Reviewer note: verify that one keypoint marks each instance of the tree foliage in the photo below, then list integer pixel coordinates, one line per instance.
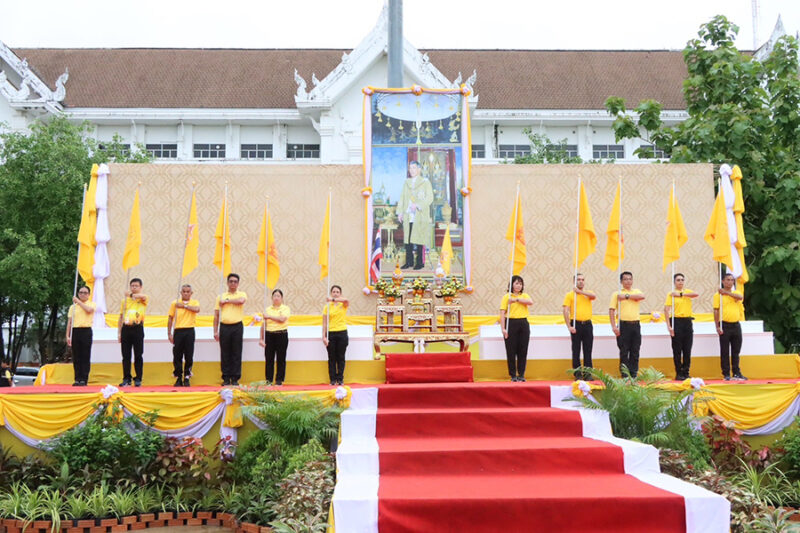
(544, 150)
(42, 173)
(746, 112)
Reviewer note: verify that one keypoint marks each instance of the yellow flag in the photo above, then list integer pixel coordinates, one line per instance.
(717, 232)
(676, 235)
(87, 230)
(738, 209)
(615, 243)
(191, 255)
(268, 253)
(446, 254)
(518, 252)
(130, 257)
(324, 242)
(223, 228)
(587, 239)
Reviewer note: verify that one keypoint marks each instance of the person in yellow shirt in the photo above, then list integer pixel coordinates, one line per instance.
(334, 333)
(130, 332)
(577, 309)
(275, 338)
(79, 335)
(678, 305)
(229, 330)
(517, 333)
(624, 306)
(182, 314)
(728, 327)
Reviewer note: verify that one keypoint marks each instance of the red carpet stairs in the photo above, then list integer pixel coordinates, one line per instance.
(428, 367)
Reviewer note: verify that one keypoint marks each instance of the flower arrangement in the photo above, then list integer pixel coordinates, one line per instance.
(448, 290)
(457, 283)
(382, 285)
(418, 284)
(392, 291)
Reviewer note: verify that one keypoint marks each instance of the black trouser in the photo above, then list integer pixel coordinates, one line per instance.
(583, 336)
(132, 338)
(276, 344)
(182, 350)
(337, 346)
(629, 342)
(730, 342)
(230, 351)
(519, 334)
(82, 353)
(682, 345)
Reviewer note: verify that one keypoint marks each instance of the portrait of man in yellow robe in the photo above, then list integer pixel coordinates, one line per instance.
(414, 211)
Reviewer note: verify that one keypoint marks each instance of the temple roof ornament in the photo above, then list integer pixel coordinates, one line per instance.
(31, 91)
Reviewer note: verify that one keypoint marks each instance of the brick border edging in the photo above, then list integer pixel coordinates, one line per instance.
(136, 522)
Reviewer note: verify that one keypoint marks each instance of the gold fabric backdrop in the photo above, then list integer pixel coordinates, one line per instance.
(297, 196)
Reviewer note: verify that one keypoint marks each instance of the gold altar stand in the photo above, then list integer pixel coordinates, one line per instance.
(421, 321)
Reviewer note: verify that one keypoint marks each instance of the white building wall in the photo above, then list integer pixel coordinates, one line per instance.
(256, 135)
(161, 134)
(209, 134)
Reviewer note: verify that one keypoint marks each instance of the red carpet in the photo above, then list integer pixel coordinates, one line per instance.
(428, 367)
(495, 457)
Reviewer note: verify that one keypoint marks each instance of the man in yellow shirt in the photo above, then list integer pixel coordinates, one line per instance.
(79, 335)
(577, 309)
(678, 306)
(130, 332)
(228, 330)
(625, 306)
(182, 314)
(728, 327)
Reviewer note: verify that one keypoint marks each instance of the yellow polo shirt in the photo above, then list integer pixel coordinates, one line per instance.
(134, 311)
(584, 306)
(185, 318)
(336, 312)
(283, 310)
(80, 318)
(683, 304)
(732, 310)
(518, 310)
(628, 309)
(230, 314)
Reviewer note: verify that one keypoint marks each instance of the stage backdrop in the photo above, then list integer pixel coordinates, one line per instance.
(297, 202)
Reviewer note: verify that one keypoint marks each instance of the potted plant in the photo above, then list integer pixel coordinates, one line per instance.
(381, 286)
(391, 293)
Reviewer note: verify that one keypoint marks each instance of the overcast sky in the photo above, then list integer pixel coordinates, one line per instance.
(522, 24)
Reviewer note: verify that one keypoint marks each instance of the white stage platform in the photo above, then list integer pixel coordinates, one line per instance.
(305, 344)
(553, 342)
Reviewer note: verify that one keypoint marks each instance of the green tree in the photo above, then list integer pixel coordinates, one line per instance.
(41, 181)
(746, 112)
(544, 150)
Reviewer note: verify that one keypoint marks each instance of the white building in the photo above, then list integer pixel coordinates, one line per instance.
(282, 105)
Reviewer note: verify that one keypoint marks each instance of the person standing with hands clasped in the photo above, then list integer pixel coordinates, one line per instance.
(518, 333)
(628, 331)
(682, 333)
(130, 332)
(577, 309)
(228, 330)
(334, 333)
(275, 338)
(79, 335)
(728, 327)
(182, 313)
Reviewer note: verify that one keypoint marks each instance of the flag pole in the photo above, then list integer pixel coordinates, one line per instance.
(619, 251)
(674, 201)
(224, 232)
(330, 264)
(186, 236)
(577, 238)
(266, 252)
(513, 247)
(75, 285)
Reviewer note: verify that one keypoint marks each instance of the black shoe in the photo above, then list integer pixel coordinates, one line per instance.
(178, 383)
(726, 378)
(334, 382)
(125, 383)
(739, 377)
(418, 267)
(235, 382)
(341, 382)
(137, 382)
(278, 383)
(514, 379)
(186, 382)
(76, 384)
(521, 379)
(82, 383)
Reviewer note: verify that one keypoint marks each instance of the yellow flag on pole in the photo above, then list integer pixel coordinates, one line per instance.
(676, 235)
(222, 236)
(738, 209)
(717, 232)
(446, 254)
(130, 257)
(324, 242)
(587, 239)
(86, 232)
(518, 253)
(268, 253)
(191, 255)
(615, 243)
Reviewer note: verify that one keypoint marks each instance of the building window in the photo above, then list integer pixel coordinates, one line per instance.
(256, 151)
(649, 151)
(478, 151)
(571, 150)
(302, 151)
(608, 151)
(163, 151)
(510, 151)
(209, 151)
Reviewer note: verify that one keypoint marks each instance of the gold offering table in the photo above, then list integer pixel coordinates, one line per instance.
(419, 339)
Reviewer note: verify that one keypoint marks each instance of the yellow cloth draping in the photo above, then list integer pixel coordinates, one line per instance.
(43, 416)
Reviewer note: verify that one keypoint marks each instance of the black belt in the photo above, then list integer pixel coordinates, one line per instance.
(583, 321)
(628, 321)
(684, 318)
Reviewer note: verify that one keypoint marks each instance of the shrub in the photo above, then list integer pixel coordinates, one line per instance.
(790, 444)
(729, 451)
(187, 462)
(310, 452)
(306, 493)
